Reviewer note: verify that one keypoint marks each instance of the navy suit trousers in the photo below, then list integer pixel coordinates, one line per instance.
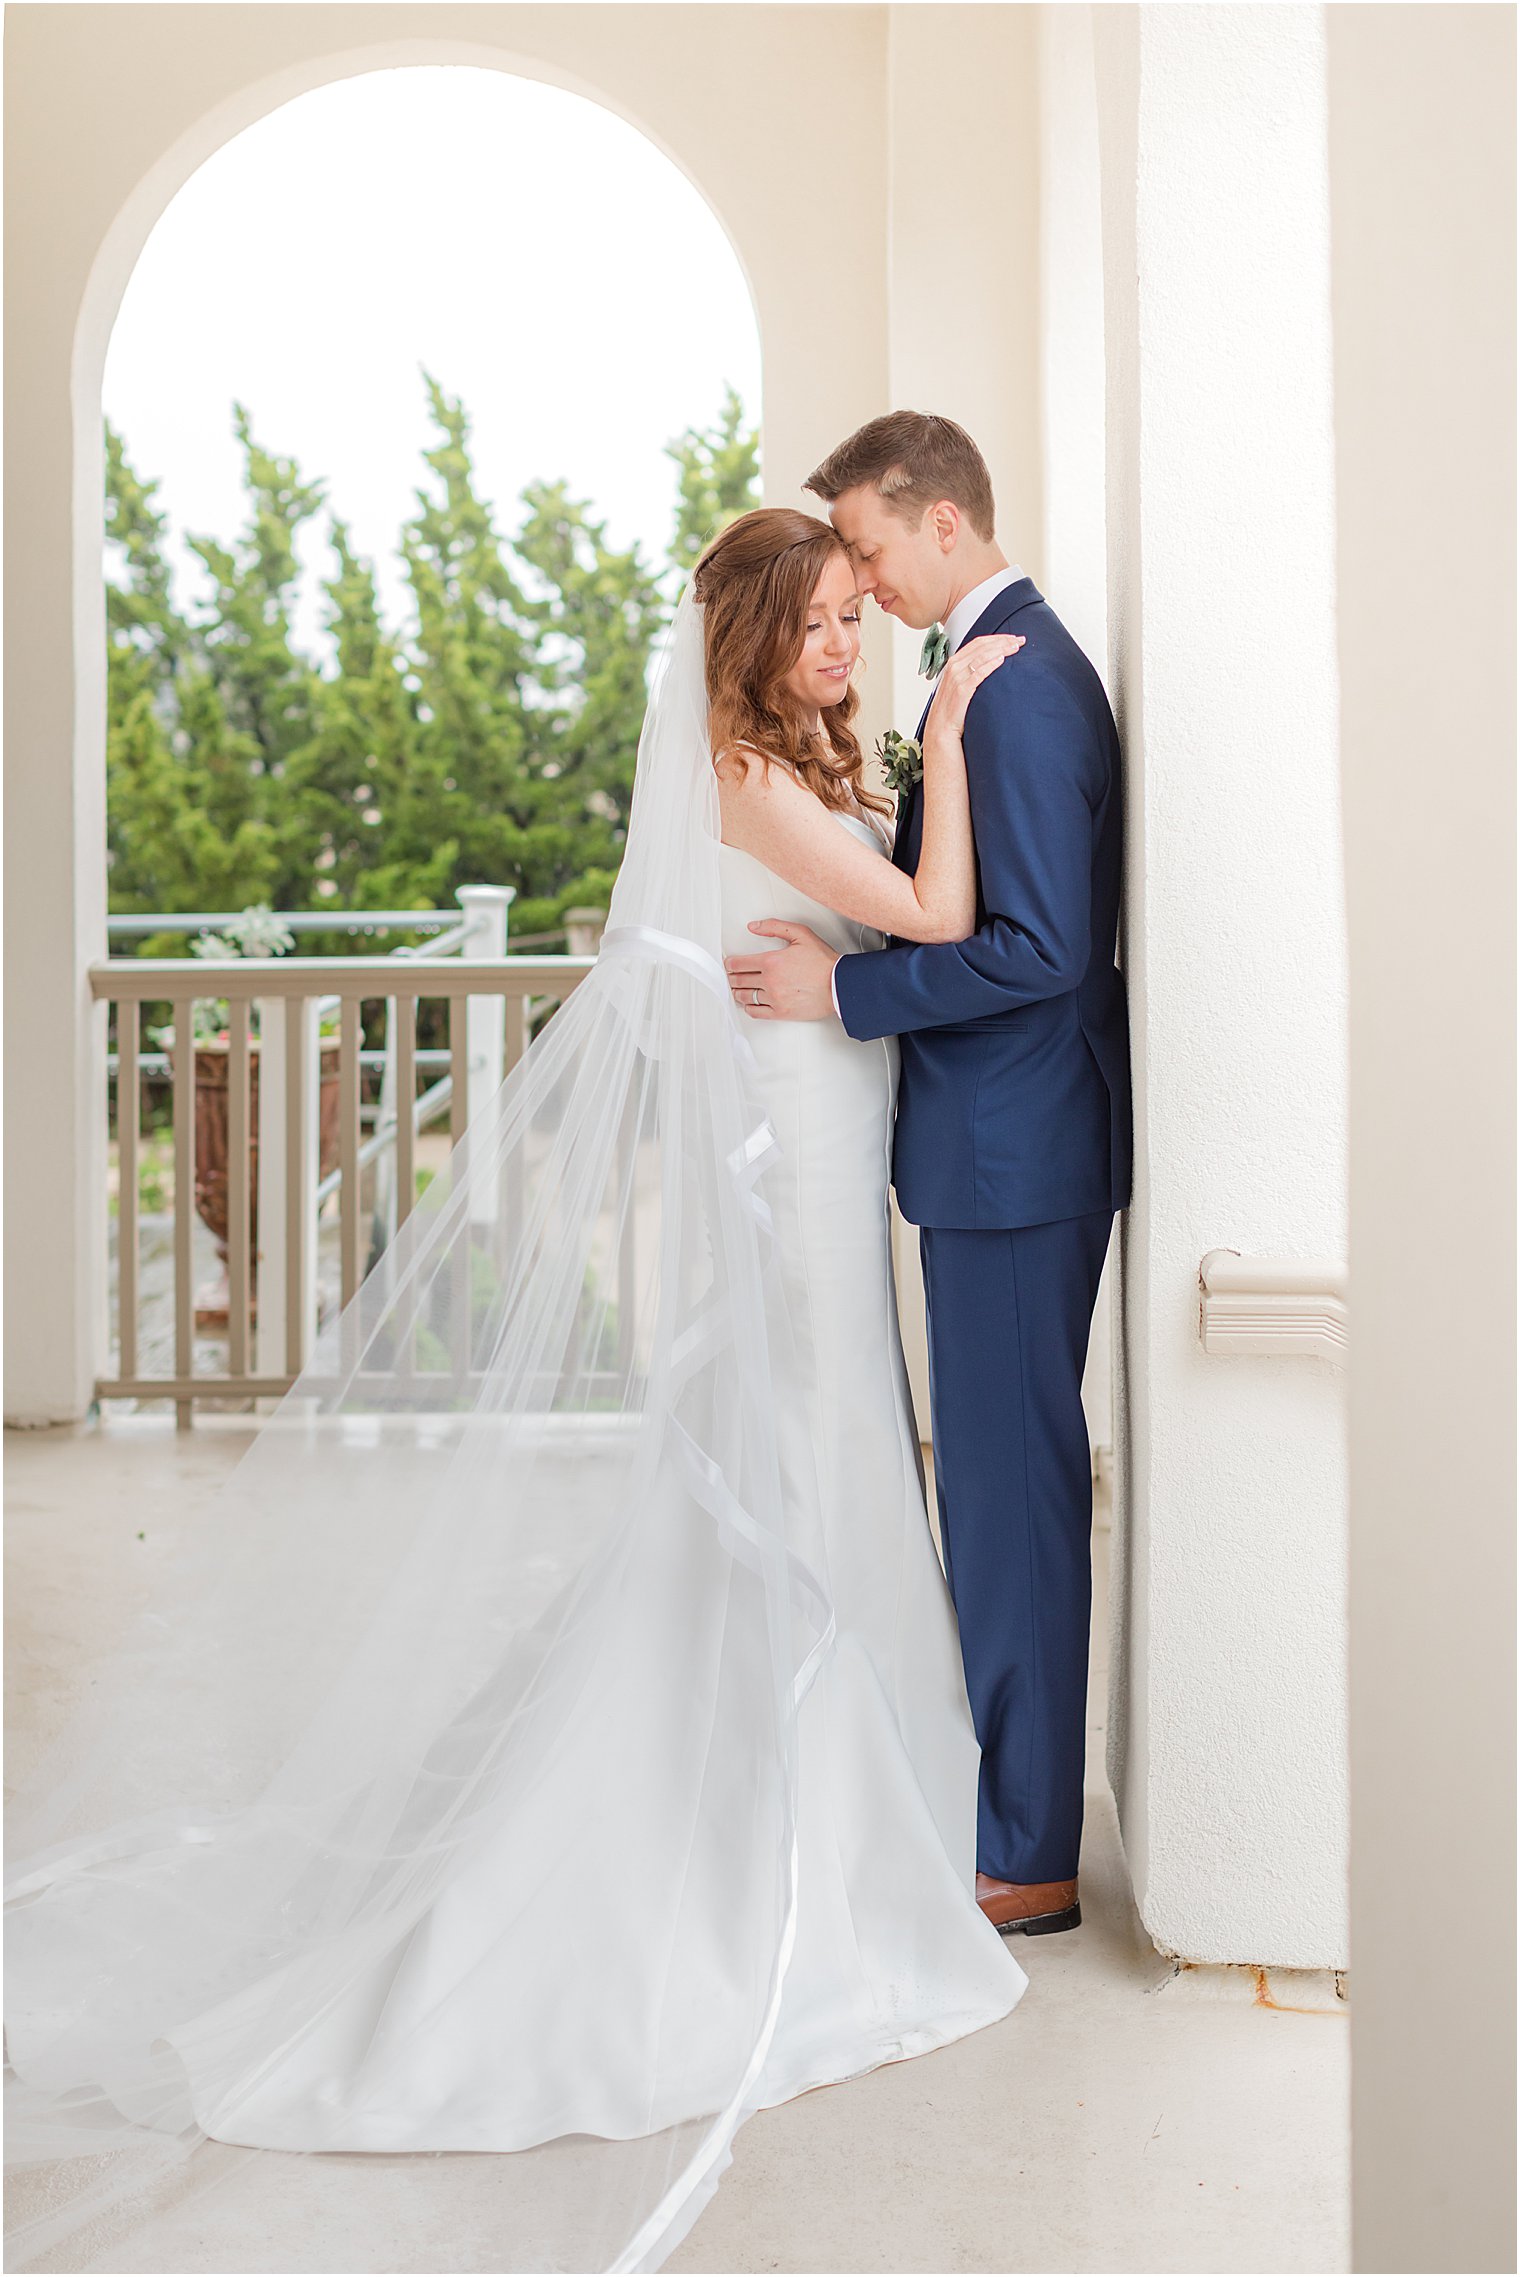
(1010, 1313)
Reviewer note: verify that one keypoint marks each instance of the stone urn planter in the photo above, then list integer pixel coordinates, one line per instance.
(212, 1062)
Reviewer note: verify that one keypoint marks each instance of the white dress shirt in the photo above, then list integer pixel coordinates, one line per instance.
(957, 625)
(966, 611)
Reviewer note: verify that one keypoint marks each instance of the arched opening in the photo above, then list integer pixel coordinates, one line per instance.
(687, 312)
(385, 650)
(110, 138)
(533, 250)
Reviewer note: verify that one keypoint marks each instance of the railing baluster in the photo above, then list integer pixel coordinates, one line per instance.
(509, 1177)
(406, 1108)
(269, 1200)
(517, 1032)
(348, 1145)
(184, 1200)
(239, 1149)
(459, 1066)
(128, 1174)
(297, 1188)
(405, 1028)
(462, 1248)
(627, 1267)
(273, 1110)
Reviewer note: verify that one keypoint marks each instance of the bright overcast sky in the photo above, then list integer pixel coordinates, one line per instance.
(534, 253)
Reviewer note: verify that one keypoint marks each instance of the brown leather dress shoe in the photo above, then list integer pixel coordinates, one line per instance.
(1036, 1908)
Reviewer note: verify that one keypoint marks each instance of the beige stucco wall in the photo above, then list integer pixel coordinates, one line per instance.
(1422, 178)
(933, 288)
(783, 120)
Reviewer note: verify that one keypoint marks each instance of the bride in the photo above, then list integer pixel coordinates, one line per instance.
(552, 1740)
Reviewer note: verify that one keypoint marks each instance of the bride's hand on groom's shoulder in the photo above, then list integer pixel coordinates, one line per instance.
(973, 662)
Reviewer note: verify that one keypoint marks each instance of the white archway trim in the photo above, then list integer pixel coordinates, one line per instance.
(259, 98)
(1273, 1307)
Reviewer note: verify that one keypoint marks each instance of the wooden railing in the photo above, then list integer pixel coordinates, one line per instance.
(286, 991)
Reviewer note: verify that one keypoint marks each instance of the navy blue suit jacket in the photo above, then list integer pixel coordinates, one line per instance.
(1014, 1101)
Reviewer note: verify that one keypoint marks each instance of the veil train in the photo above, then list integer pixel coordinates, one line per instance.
(505, 1585)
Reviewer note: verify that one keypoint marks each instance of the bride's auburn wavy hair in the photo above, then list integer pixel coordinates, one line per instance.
(755, 583)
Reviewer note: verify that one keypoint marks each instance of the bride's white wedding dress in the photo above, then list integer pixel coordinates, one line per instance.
(893, 1954)
(527, 2025)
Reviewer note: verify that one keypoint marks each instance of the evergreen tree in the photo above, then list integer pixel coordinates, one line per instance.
(186, 828)
(718, 480)
(345, 787)
(266, 685)
(470, 648)
(596, 614)
(144, 627)
(184, 818)
(493, 738)
(469, 663)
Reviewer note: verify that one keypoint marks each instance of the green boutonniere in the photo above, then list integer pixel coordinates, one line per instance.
(902, 760)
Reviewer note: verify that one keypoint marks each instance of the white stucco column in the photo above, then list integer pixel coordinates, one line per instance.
(1422, 176)
(1227, 1734)
(55, 839)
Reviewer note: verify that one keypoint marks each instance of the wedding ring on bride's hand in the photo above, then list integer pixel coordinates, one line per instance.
(754, 996)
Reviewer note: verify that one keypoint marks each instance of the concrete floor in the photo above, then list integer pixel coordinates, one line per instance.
(1130, 2115)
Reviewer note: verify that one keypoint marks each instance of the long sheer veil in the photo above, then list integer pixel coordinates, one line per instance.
(506, 1585)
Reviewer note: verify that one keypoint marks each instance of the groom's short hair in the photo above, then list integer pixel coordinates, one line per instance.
(911, 459)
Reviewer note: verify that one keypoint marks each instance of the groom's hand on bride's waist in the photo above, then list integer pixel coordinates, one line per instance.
(789, 982)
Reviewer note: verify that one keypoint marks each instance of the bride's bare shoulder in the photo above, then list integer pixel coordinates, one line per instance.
(744, 767)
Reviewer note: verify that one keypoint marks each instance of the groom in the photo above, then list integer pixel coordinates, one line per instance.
(1012, 1146)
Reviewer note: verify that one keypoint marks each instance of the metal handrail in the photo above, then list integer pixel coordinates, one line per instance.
(297, 920)
(434, 1101)
(441, 946)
